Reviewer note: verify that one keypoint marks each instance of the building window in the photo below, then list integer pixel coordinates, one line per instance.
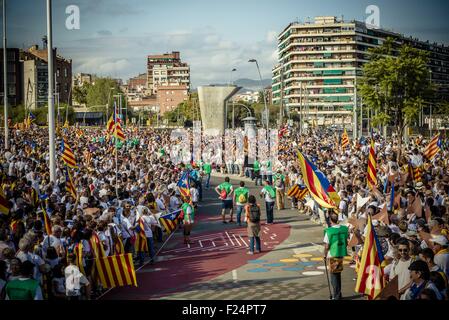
(65, 72)
(58, 72)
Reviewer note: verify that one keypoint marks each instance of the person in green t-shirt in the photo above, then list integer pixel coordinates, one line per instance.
(225, 190)
(25, 287)
(241, 200)
(336, 242)
(257, 177)
(188, 220)
(207, 169)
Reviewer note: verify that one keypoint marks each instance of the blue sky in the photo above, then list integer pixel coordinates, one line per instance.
(213, 36)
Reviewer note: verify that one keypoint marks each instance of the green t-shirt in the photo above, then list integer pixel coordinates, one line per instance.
(22, 289)
(207, 168)
(256, 166)
(241, 191)
(338, 241)
(228, 187)
(184, 207)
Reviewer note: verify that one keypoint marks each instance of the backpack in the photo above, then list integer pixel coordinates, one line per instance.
(254, 213)
(223, 194)
(271, 192)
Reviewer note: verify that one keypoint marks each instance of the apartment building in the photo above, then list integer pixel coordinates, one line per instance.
(321, 61)
(80, 78)
(166, 69)
(35, 77)
(14, 76)
(169, 96)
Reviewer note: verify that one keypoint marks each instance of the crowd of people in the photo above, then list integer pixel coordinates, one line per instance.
(111, 202)
(40, 259)
(411, 222)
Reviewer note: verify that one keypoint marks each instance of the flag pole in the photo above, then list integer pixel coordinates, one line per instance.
(5, 78)
(327, 277)
(116, 151)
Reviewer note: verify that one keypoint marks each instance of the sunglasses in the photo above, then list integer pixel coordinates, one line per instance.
(403, 250)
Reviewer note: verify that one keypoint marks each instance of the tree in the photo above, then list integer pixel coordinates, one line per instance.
(101, 93)
(395, 83)
(80, 93)
(185, 111)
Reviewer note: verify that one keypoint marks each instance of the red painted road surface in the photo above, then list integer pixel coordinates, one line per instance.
(212, 254)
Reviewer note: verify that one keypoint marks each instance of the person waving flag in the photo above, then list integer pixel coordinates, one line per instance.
(67, 154)
(433, 148)
(319, 186)
(372, 167)
(344, 140)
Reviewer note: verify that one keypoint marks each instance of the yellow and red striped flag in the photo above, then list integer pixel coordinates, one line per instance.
(298, 192)
(119, 248)
(344, 139)
(433, 148)
(79, 132)
(79, 257)
(67, 154)
(318, 185)
(141, 239)
(47, 222)
(69, 186)
(4, 204)
(116, 271)
(372, 167)
(370, 275)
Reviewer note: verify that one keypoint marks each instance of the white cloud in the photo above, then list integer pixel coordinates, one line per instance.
(272, 37)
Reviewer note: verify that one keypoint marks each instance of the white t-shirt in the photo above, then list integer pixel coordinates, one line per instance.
(148, 220)
(195, 194)
(265, 193)
(50, 241)
(401, 270)
(74, 279)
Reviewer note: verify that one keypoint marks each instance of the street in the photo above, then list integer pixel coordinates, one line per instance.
(216, 267)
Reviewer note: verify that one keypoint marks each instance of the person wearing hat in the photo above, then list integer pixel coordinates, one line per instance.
(440, 248)
(420, 276)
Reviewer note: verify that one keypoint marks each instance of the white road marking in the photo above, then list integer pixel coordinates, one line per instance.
(201, 244)
(229, 238)
(236, 240)
(243, 241)
(213, 243)
(234, 275)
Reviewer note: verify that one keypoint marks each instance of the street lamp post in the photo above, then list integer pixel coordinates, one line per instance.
(51, 109)
(5, 78)
(263, 94)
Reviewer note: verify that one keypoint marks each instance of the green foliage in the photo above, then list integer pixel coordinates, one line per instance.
(185, 111)
(396, 82)
(101, 94)
(80, 93)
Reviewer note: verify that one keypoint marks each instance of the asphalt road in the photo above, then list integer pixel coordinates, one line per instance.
(216, 265)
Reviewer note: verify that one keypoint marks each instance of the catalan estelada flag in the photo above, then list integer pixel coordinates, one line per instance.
(4, 204)
(433, 148)
(119, 248)
(97, 246)
(370, 275)
(67, 154)
(141, 239)
(372, 167)
(317, 183)
(344, 139)
(47, 222)
(169, 221)
(297, 192)
(116, 271)
(69, 186)
(184, 186)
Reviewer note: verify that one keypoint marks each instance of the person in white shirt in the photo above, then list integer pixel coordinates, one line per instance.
(401, 266)
(74, 280)
(148, 221)
(194, 193)
(53, 240)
